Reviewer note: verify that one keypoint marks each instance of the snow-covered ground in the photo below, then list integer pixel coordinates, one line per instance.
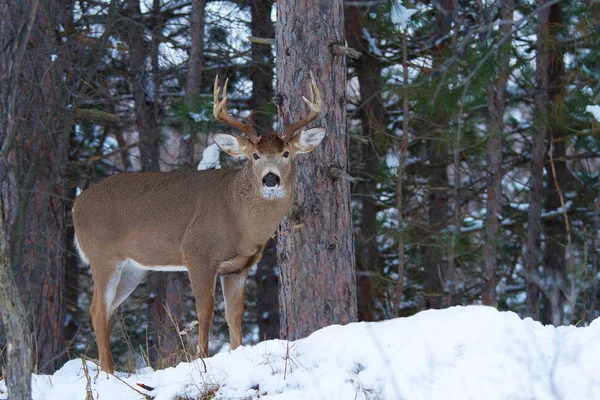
(459, 353)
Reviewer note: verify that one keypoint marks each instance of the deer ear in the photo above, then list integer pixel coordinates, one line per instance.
(231, 143)
(307, 140)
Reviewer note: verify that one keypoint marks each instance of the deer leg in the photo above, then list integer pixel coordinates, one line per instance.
(203, 288)
(105, 288)
(234, 289)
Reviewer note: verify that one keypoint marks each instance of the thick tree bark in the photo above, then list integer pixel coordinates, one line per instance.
(145, 88)
(195, 68)
(434, 259)
(315, 246)
(195, 64)
(16, 22)
(38, 163)
(496, 95)
(368, 69)
(18, 335)
(534, 224)
(71, 263)
(142, 87)
(261, 102)
(554, 259)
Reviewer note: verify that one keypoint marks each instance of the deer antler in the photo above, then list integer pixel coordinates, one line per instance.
(315, 104)
(221, 114)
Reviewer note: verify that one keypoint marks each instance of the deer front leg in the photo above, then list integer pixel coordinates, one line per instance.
(234, 289)
(203, 288)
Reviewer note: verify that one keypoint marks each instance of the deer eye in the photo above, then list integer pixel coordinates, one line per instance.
(286, 154)
(255, 156)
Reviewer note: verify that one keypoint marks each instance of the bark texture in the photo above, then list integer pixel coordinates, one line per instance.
(315, 244)
(496, 95)
(195, 69)
(373, 122)
(434, 258)
(534, 214)
(554, 258)
(16, 23)
(262, 74)
(38, 172)
(145, 82)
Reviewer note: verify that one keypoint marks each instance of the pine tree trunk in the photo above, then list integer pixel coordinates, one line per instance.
(16, 22)
(496, 94)
(261, 74)
(315, 244)
(368, 69)
(145, 94)
(18, 336)
(554, 259)
(195, 69)
(534, 213)
(434, 258)
(38, 165)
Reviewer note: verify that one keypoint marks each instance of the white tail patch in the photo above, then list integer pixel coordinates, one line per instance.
(81, 253)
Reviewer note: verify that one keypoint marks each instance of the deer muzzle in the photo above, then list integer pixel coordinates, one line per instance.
(271, 180)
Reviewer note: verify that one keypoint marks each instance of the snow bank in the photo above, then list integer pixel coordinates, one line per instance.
(459, 353)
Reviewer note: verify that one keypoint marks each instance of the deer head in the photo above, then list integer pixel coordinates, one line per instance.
(271, 155)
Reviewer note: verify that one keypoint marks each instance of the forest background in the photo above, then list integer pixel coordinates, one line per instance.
(472, 160)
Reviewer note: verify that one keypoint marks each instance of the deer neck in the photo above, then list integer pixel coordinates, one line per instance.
(263, 214)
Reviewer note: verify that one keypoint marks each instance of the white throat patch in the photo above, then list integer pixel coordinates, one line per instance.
(272, 192)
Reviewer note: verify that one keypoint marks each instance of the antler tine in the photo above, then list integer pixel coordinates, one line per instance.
(316, 107)
(221, 114)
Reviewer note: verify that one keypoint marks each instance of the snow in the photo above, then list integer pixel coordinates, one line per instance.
(595, 110)
(210, 158)
(202, 116)
(473, 352)
(373, 48)
(401, 15)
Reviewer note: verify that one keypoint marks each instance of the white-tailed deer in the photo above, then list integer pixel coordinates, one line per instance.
(208, 223)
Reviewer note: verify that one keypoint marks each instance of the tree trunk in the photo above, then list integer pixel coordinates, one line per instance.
(18, 336)
(555, 274)
(534, 213)
(142, 87)
(496, 95)
(38, 165)
(16, 22)
(435, 260)
(315, 246)
(261, 74)
(71, 263)
(373, 121)
(145, 93)
(195, 68)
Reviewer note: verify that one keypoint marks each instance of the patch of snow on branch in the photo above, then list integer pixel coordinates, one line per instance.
(401, 15)
(373, 48)
(594, 110)
(199, 117)
(210, 158)
(458, 353)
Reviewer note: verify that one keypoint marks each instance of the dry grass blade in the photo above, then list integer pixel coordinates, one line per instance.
(146, 396)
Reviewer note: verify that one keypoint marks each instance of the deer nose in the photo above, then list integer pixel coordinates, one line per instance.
(270, 180)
